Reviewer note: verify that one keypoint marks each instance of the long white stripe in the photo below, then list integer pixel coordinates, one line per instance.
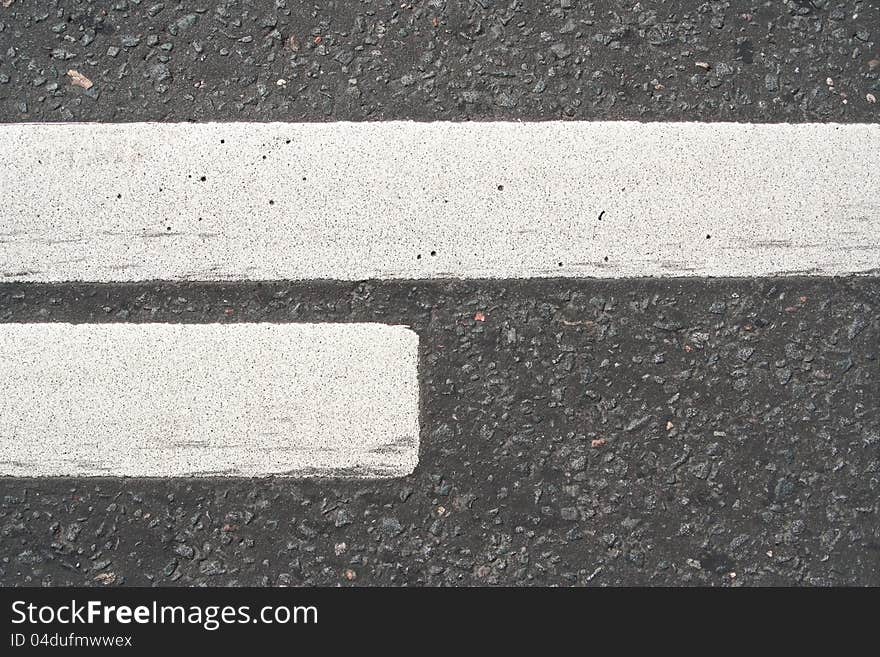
(153, 400)
(125, 202)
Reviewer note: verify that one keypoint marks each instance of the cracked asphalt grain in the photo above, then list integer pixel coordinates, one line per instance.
(720, 432)
(792, 61)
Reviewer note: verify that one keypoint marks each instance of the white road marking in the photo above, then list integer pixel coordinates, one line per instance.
(166, 400)
(350, 201)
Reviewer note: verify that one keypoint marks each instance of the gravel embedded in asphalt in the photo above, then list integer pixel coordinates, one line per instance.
(790, 61)
(574, 432)
(594, 432)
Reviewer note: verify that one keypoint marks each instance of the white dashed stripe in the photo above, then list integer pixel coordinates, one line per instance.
(349, 201)
(165, 400)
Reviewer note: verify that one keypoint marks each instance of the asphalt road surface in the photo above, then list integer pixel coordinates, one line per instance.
(793, 60)
(573, 432)
(737, 423)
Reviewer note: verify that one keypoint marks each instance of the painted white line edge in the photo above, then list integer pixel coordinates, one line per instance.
(247, 400)
(352, 201)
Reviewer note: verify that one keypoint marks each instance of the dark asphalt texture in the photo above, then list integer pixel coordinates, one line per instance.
(740, 422)
(737, 421)
(786, 61)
